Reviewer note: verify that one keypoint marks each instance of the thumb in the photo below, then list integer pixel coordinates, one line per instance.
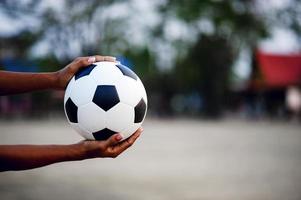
(114, 139)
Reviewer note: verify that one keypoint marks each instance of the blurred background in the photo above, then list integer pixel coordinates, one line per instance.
(226, 74)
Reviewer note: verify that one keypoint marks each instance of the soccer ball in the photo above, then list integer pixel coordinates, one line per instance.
(103, 99)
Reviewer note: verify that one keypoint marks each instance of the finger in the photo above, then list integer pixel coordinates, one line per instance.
(110, 58)
(92, 59)
(113, 140)
(105, 58)
(83, 62)
(128, 142)
(86, 61)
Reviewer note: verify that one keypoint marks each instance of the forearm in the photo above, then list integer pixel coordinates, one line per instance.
(21, 157)
(15, 82)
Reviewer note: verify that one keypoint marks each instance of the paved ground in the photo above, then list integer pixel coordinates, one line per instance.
(174, 159)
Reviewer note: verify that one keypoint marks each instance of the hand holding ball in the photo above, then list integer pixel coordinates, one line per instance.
(103, 99)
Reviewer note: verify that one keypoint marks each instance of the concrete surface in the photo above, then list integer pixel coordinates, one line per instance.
(174, 159)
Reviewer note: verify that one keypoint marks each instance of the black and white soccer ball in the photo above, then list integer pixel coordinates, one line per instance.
(103, 99)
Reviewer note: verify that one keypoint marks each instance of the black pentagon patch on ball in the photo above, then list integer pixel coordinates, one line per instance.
(71, 110)
(127, 72)
(140, 110)
(84, 71)
(103, 134)
(106, 97)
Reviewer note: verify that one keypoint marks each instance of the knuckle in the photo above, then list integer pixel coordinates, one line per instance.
(129, 143)
(115, 155)
(77, 59)
(81, 61)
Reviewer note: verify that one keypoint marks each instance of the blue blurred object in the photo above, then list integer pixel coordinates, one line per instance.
(19, 65)
(124, 61)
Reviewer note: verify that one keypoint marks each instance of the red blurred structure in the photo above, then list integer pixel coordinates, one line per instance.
(273, 78)
(279, 71)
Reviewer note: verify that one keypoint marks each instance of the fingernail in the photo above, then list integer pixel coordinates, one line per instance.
(119, 137)
(141, 129)
(110, 58)
(91, 59)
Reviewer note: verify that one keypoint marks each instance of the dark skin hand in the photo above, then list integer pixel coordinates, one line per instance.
(17, 82)
(22, 157)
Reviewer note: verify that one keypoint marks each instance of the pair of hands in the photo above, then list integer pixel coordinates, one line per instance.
(21, 157)
(113, 146)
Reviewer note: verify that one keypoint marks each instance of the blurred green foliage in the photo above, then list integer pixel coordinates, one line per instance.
(207, 66)
(203, 66)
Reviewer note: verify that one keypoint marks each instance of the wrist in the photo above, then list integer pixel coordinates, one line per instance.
(78, 151)
(54, 80)
(90, 149)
